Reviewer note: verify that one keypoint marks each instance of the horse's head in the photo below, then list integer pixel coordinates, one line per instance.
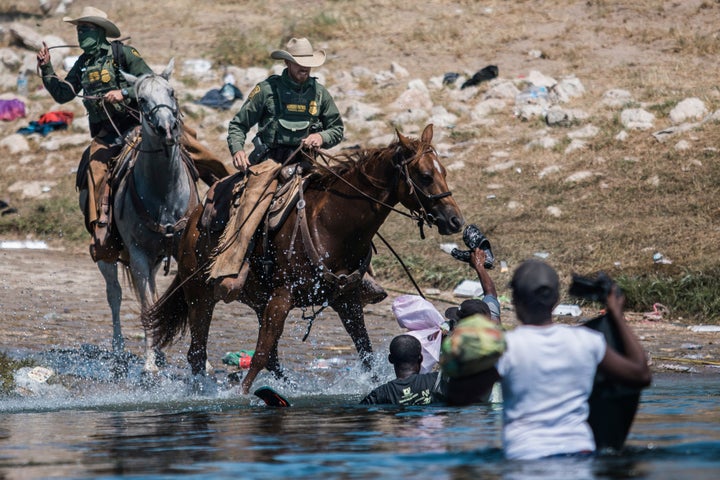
(158, 106)
(423, 188)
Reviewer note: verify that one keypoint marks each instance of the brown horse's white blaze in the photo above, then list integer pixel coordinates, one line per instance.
(343, 211)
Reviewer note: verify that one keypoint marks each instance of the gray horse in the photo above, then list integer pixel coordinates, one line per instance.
(152, 201)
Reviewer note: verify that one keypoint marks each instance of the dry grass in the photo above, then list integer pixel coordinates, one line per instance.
(643, 197)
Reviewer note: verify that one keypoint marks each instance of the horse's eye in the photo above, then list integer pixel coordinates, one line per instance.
(426, 179)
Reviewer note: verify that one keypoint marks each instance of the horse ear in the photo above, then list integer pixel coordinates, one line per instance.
(131, 79)
(168, 70)
(427, 134)
(405, 141)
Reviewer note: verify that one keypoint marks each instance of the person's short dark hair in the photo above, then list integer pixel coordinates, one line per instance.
(535, 283)
(405, 349)
(468, 308)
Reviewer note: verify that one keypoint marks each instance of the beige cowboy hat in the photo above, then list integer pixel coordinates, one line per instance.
(301, 52)
(96, 17)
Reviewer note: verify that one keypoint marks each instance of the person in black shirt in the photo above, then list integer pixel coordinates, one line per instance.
(410, 387)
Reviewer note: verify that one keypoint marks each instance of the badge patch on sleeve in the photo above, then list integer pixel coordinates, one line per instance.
(134, 52)
(254, 92)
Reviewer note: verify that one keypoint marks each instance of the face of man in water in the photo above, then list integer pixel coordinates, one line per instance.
(297, 72)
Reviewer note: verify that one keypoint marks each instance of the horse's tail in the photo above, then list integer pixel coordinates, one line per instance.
(167, 318)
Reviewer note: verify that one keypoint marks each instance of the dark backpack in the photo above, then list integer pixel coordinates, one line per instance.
(118, 55)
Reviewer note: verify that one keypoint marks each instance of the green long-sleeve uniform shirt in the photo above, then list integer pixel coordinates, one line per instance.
(95, 76)
(286, 112)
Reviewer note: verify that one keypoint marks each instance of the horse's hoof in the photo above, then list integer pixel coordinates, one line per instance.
(119, 367)
(149, 380)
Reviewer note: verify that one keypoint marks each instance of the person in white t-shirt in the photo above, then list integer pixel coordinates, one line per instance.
(548, 369)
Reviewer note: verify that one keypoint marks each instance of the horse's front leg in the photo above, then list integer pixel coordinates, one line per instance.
(353, 319)
(113, 292)
(271, 328)
(143, 275)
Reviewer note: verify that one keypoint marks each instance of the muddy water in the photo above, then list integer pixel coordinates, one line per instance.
(86, 423)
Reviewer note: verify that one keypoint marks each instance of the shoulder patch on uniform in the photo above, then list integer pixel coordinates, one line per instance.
(254, 92)
(134, 52)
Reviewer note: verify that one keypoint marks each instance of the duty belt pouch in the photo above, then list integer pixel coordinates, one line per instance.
(291, 132)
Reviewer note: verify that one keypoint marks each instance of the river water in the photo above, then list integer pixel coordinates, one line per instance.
(93, 427)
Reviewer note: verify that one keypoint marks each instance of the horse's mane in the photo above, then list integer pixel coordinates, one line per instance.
(350, 162)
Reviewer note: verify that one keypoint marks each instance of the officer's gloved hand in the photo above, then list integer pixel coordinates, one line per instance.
(474, 238)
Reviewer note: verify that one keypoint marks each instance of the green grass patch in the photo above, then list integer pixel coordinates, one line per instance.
(56, 218)
(691, 295)
(7, 367)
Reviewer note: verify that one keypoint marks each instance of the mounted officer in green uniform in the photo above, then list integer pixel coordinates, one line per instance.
(290, 110)
(112, 112)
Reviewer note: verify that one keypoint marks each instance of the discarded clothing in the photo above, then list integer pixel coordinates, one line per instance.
(11, 109)
(48, 122)
(222, 98)
(486, 73)
(36, 127)
(6, 209)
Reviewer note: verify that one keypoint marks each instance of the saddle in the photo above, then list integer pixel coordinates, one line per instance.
(228, 191)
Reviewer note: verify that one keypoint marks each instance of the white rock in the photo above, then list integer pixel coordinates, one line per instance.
(499, 167)
(622, 136)
(539, 79)
(617, 98)
(575, 144)
(15, 143)
(398, 70)
(682, 145)
(554, 211)
(545, 142)
(442, 118)
(569, 88)
(580, 176)
(637, 118)
(588, 131)
(487, 107)
(550, 169)
(688, 109)
(361, 111)
(504, 90)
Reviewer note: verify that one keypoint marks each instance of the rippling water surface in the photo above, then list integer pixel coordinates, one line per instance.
(101, 429)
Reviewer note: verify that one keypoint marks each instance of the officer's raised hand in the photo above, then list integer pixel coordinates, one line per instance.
(43, 55)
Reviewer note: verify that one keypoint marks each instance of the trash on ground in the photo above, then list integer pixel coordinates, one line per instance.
(448, 247)
(704, 328)
(18, 244)
(240, 359)
(468, 288)
(659, 311)
(564, 309)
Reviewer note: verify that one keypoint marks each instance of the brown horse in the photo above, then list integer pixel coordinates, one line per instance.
(319, 254)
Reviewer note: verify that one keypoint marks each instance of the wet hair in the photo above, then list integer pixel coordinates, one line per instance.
(405, 349)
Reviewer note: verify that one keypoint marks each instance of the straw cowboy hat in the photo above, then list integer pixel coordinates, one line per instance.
(301, 52)
(96, 17)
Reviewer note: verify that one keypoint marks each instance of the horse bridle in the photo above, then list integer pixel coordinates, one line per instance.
(420, 215)
(149, 115)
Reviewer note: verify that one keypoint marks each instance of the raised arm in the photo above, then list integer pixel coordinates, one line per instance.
(631, 367)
